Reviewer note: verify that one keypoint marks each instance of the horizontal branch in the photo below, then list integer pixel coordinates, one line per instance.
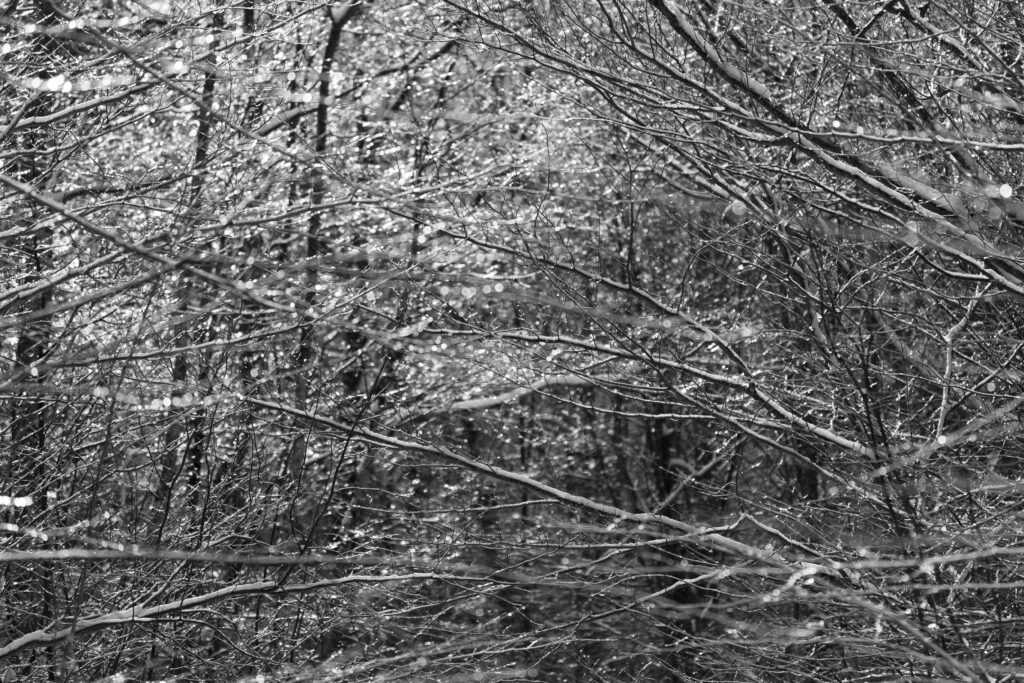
(565, 380)
(694, 533)
(139, 613)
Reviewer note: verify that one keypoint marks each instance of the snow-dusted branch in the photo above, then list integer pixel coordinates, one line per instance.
(554, 381)
(139, 613)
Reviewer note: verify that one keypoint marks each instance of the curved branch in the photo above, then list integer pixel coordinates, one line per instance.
(139, 613)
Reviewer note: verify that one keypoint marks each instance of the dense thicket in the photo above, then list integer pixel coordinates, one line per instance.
(595, 340)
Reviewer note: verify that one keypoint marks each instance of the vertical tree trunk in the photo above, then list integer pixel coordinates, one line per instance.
(306, 521)
(315, 245)
(185, 440)
(27, 599)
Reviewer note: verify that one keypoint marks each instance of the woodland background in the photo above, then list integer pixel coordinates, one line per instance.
(473, 340)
